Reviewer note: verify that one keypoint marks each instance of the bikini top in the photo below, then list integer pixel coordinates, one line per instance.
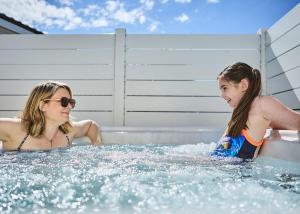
(23, 141)
(250, 140)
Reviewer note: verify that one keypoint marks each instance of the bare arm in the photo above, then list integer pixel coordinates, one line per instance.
(279, 115)
(89, 129)
(7, 128)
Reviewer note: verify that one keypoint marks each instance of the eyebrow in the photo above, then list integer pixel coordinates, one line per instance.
(222, 86)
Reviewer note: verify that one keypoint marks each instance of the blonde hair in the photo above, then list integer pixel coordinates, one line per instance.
(32, 118)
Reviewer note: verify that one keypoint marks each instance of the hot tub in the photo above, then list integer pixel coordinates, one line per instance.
(152, 170)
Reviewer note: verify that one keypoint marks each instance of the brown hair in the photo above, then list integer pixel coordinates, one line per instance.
(235, 73)
(32, 118)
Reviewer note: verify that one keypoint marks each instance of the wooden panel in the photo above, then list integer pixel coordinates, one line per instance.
(193, 41)
(290, 98)
(216, 120)
(83, 103)
(56, 72)
(79, 87)
(38, 57)
(174, 72)
(191, 57)
(189, 88)
(56, 41)
(206, 104)
(103, 118)
(104, 103)
(12, 103)
(283, 44)
(285, 81)
(10, 114)
(119, 80)
(284, 63)
(290, 20)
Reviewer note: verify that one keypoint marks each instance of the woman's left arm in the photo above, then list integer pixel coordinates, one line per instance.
(90, 129)
(279, 115)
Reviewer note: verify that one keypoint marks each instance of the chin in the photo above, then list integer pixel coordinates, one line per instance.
(64, 120)
(232, 106)
(65, 117)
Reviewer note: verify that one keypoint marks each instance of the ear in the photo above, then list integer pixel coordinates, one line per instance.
(42, 106)
(244, 84)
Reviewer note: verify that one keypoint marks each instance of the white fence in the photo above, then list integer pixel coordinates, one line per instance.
(149, 80)
(171, 79)
(84, 62)
(130, 80)
(283, 59)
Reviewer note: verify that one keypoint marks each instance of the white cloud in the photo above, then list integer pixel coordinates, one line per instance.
(42, 13)
(148, 4)
(142, 19)
(39, 12)
(99, 23)
(124, 16)
(77, 21)
(183, 1)
(111, 6)
(91, 9)
(153, 26)
(114, 12)
(164, 1)
(182, 18)
(213, 1)
(67, 2)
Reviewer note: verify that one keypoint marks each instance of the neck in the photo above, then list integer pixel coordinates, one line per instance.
(50, 132)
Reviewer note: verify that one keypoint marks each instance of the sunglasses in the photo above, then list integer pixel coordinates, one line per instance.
(64, 101)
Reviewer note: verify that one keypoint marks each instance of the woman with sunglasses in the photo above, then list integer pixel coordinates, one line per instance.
(45, 121)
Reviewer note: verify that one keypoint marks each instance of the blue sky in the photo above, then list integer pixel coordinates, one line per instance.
(148, 16)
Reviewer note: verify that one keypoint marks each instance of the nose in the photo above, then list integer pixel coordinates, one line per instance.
(221, 94)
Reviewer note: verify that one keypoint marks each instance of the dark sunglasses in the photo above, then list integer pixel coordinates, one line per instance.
(64, 101)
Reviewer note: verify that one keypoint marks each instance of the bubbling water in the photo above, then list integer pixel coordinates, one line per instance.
(143, 179)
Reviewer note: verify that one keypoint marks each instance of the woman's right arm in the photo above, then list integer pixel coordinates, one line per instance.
(7, 128)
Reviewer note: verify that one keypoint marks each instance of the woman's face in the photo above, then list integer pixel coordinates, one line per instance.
(232, 92)
(53, 109)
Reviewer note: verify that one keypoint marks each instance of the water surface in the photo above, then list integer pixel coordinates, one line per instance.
(144, 179)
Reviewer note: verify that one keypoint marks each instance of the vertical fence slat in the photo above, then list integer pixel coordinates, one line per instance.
(262, 33)
(119, 77)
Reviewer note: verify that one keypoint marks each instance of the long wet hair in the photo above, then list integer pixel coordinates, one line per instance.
(235, 73)
(32, 118)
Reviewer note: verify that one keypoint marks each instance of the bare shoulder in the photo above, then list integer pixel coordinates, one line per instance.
(269, 104)
(10, 122)
(262, 104)
(267, 100)
(280, 115)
